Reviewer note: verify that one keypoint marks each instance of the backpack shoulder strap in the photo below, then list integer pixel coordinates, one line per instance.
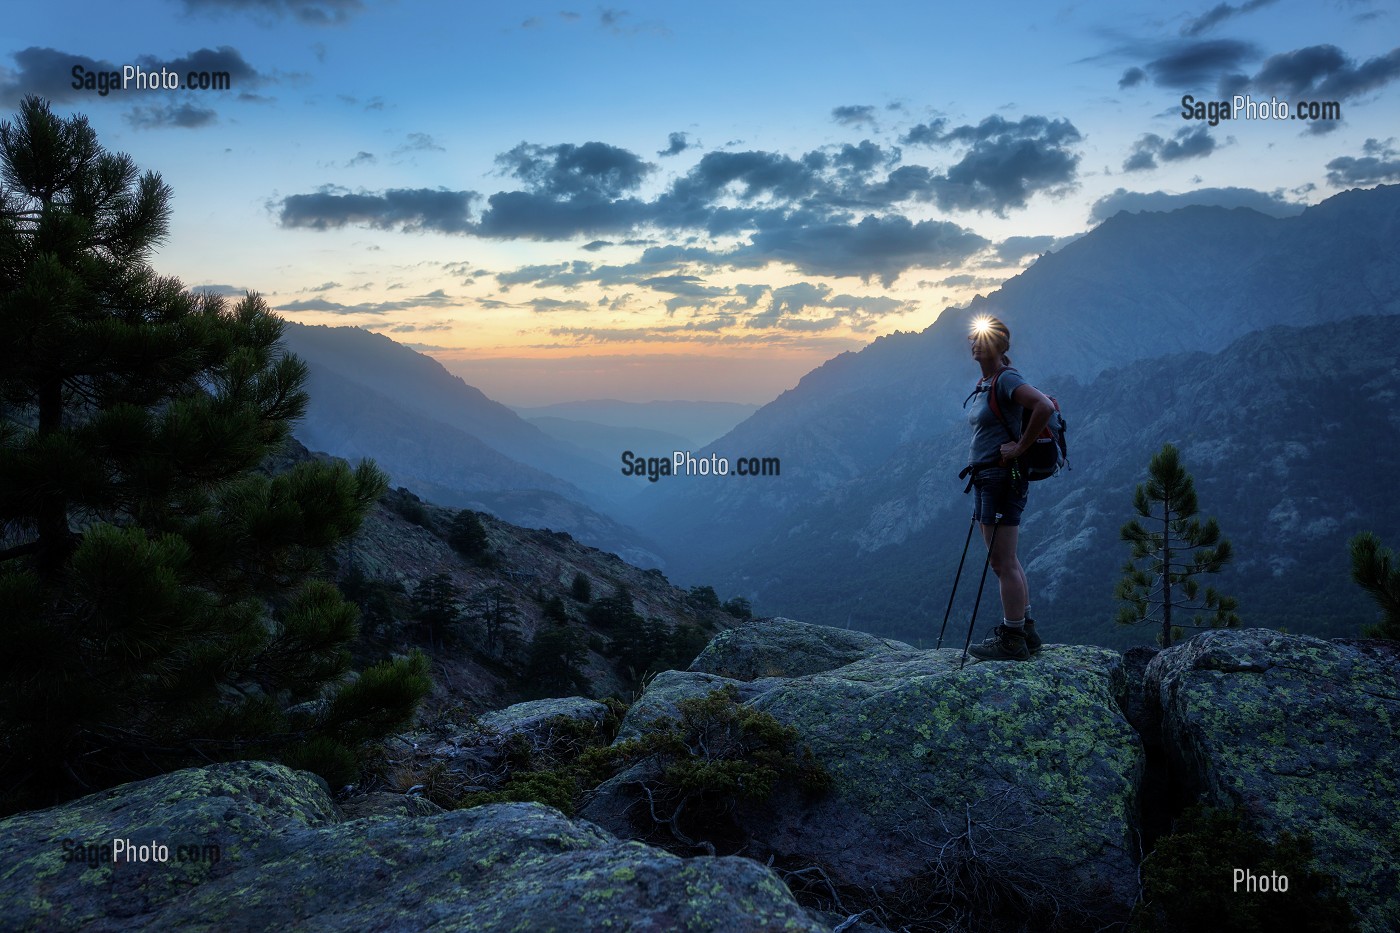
(995, 405)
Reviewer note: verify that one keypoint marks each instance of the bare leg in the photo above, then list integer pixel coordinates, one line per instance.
(1010, 574)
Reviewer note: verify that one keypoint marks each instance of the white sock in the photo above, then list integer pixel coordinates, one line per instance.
(1018, 623)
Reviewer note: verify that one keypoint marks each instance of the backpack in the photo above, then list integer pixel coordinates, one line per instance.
(1049, 452)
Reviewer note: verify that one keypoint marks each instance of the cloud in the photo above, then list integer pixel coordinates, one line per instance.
(223, 59)
(789, 308)
(750, 174)
(1013, 249)
(619, 23)
(1218, 14)
(434, 299)
(1132, 78)
(527, 215)
(361, 158)
(1379, 165)
(1006, 163)
(419, 142)
(1056, 132)
(964, 280)
(679, 142)
(593, 169)
(854, 115)
(829, 211)
(880, 247)
(407, 209)
(1275, 205)
(546, 305)
(48, 73)
(180, 115)
(690, 285)
(1324, 72)
(1201, 64)
(1189, 143)
(310, 12)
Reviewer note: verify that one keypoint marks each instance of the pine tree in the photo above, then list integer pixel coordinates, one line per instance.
(1373, 568)
(1178, 549)
(582, 589)
(739, 607)
(164, 602)
(703, 597)
(494, 608)
(468, 536)
(435, 604)
(554, 663)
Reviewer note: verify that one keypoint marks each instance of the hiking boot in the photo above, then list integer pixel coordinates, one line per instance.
(1033, 642)
(1005, 644)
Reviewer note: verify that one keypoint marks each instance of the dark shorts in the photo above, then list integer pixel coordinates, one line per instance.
(991, 495)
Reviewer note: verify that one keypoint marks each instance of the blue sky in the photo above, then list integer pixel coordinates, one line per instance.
(682, 200)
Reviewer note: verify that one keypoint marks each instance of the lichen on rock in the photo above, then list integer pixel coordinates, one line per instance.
(788, 648)
(288, 861)
(1032, 765)
(1301, 734)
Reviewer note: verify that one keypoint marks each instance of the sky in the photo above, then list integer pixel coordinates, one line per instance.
(676, 200)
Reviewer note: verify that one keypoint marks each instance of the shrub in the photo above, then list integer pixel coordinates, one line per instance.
(718, 754)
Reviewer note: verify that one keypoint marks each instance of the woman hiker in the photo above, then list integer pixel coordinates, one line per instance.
(1000, 487)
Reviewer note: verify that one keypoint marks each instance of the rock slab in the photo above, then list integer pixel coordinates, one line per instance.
(1302, 734)
(935, 770)
(288, 861)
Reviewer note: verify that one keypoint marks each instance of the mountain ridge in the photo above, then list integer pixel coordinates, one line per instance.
(1115, 295)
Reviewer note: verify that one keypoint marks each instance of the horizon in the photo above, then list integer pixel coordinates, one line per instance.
(575, 205)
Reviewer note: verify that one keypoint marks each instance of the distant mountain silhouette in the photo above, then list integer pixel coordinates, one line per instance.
(372, 397)
(697, 423)
(1280, 431)
(1137, 287)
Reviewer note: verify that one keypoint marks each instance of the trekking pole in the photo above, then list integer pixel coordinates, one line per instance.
(961, 561)
(978, 601)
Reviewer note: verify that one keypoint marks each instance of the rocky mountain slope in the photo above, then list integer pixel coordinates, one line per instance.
(404, 540)
(1137, 287)
(371, 397)
(985, 797)
(1287, 432)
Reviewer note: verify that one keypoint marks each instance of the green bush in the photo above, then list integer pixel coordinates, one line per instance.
(1373, 569)
(718, 754)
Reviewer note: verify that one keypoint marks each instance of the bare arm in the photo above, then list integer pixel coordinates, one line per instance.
(1040, 407)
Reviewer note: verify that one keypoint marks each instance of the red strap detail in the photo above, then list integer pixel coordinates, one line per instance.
(992, 399)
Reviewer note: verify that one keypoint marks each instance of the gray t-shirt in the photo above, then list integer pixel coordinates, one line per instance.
(987, 432)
